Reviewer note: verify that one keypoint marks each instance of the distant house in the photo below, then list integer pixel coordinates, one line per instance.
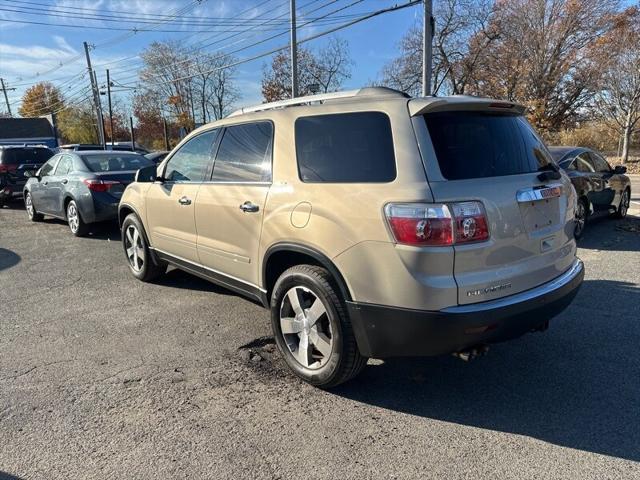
(16, 131)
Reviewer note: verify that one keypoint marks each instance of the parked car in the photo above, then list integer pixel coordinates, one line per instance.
(371, 224)
(117, 146)
(81, 188)
(600, 188)
(157, 157)
(14, 161)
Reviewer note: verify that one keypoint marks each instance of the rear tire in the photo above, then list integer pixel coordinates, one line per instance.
(582, 216)
(32, 213)
(623, 208)
(312, 328)
(74, 220)
(137, 252)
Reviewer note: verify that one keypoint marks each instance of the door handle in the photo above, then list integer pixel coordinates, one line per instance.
(249, 207)
(65, 181)
(184, 201)
(45, 183)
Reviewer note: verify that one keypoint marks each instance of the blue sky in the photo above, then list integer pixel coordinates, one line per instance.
(30, 53)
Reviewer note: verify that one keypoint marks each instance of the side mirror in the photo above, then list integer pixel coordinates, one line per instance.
(620, 170)
(147, 174)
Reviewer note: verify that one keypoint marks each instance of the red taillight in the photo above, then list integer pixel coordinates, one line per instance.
(100, 185)
(471, 222)
(8, 168)
(429, 224)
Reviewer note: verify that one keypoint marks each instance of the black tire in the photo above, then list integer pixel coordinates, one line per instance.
(74, 219)
(623, 208)
(32, 213)
(146, 269)
(582, 217)
(310, 284)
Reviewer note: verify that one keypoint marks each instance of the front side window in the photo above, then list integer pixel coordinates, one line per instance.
(245, 153)
(47, 168)
(64, 165)
(584, 163)
(600, 163)
(345, 148)
(191, 161)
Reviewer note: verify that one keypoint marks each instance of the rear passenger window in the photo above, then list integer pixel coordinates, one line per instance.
(345, 148)
(191, 161)
(245, 154)
(64, 165)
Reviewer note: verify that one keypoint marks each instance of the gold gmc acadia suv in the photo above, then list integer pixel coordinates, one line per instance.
(371, 224)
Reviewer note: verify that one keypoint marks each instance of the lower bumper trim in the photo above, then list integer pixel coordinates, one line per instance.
(383, 331)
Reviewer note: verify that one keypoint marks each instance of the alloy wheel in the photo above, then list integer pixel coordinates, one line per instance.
(29, 204)
(73, 218)
(581, 219)
(306, 328)
(624, 204)
(134, 248)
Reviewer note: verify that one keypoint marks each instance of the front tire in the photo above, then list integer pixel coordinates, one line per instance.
(33, 215)
(137, 251)
(74, 220)
(623, 208)
(582, 215)
(312, 328)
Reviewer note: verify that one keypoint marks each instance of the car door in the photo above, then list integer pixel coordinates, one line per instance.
(39, 188)
(56, 185)
(171, 202)
(591, 181)
(230, 208)
(607, 195)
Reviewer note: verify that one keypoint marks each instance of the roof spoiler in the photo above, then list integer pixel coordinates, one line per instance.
(420, 106)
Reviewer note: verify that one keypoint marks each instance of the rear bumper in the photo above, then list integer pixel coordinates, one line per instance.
(383, 331)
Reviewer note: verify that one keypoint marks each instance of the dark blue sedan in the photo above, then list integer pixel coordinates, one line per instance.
(81, 187)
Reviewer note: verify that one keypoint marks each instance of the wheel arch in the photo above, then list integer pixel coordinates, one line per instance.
(281, 256)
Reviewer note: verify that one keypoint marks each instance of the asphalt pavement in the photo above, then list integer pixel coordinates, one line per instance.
(102, 376)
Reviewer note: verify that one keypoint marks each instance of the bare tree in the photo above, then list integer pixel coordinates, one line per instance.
(216, 91)
(618, 103)
(546, 55)
(328, 68)
(463, 30)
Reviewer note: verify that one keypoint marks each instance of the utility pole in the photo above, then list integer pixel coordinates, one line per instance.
(6, 99)
(110, 110)
(96, 95)
(294, 52)
(101, 120)
(427, 47)
(133, 135)
(166, 134)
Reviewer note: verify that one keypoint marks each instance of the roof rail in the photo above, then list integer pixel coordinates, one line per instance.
(361, 92)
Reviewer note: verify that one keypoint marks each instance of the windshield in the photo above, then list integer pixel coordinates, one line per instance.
(115, 162)
(17, 156)
(485, 144)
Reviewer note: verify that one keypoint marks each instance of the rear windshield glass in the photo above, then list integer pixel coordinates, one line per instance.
(347, 147)
(17, 156)
(105, 162)
(481, 144)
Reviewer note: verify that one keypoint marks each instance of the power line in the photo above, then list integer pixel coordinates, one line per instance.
(191, 60)
(304, 40)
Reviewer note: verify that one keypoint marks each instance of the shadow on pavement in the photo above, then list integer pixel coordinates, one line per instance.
(7, 476)
(577, 385)
(604, 233)
(8, 259)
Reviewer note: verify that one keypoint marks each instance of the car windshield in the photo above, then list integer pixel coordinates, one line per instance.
(115, 162)
(17, 156)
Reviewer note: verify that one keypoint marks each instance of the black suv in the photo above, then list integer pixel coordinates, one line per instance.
(14, 161)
